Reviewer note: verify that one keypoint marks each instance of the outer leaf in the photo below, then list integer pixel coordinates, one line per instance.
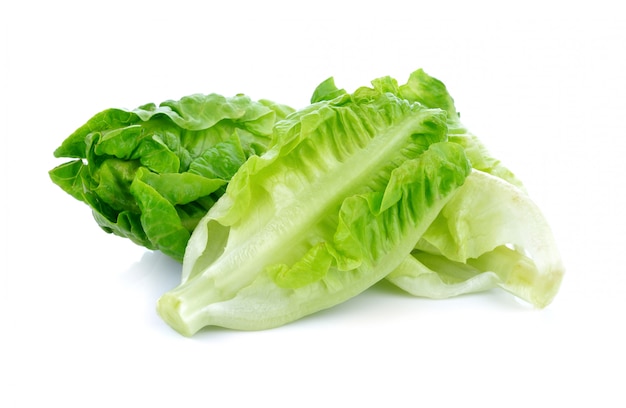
(490, 234)
(318, 218)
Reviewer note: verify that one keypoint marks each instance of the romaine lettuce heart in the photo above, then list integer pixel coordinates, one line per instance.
(324, 214)
(510, 244)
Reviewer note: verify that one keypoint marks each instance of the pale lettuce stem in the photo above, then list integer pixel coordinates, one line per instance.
(182, 307)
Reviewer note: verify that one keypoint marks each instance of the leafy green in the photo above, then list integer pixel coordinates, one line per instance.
(325, 213)
(430, 92)
(277, 213)
(150, 174)
(491, 234)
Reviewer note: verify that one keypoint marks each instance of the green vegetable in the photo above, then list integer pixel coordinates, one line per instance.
(490, 235)
(324, 214)
(277, 214)
(152, 173)
(432, 93)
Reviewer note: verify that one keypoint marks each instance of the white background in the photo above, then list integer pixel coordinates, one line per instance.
(542, 83)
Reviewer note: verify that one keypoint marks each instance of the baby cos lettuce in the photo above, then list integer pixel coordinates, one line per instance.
(151, 173)
(277, 213)
(320, 217)
(491, 234)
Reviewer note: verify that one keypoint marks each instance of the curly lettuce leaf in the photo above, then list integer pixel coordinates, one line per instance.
(489, 235)
(321, 216)
(150, 174)
(501, 248)
(432, 93)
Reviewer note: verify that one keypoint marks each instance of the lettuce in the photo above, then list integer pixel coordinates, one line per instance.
(150, 174)
(432, 93)
(332, 208)
(491, 234)
(277, 213)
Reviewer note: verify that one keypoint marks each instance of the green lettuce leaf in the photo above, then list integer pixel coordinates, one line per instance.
(150, 174)
(324, 214)
(432, 93)
(490, 234)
